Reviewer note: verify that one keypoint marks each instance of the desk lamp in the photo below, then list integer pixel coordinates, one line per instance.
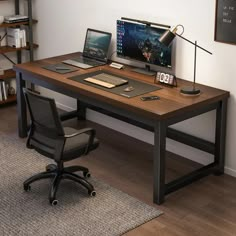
(166, 39)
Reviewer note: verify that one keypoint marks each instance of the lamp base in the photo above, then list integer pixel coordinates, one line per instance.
(190, 91)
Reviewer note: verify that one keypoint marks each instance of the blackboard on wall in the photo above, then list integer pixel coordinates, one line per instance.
(225, 21)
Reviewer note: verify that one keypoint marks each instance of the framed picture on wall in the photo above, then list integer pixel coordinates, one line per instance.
(225, 21)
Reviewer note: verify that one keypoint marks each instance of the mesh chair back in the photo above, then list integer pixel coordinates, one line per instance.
(44, 114)
(46, 133)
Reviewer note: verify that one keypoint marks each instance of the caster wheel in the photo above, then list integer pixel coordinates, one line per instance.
(92, 193)
(27, 188)
(50, 167)
(86, 174)
(54, 202)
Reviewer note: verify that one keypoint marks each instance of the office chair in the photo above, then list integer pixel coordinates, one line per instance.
(48, 137)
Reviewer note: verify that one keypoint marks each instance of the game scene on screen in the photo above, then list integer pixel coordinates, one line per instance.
(140, 42)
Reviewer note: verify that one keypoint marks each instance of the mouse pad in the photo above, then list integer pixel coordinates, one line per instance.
(139, 87)
(60, 68)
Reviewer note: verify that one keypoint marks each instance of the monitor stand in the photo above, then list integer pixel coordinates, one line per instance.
(146, 71)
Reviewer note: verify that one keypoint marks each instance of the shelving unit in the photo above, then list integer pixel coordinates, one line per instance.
(5, 49)
(10, 74)
(10, 99)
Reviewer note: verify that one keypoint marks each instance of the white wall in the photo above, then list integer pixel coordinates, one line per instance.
(62, 26)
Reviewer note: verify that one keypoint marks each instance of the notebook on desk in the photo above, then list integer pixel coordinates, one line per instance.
(95, 52)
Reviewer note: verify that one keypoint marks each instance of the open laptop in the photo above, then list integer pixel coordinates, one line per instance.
(95, 50)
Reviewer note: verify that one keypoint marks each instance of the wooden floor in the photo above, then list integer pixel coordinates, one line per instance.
(206, 207)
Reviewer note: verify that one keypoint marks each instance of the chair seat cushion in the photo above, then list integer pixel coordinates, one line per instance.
(74, 147)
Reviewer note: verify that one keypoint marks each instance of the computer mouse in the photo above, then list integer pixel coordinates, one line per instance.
(129, 89)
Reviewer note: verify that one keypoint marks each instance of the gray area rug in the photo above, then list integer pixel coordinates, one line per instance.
(111, 212)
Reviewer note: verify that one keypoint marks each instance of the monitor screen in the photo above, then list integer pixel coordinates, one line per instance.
(97, 44)
(140, 42)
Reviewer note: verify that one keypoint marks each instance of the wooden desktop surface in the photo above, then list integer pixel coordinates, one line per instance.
(170, 104)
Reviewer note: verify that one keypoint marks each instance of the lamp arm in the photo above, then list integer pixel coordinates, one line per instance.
(193, 43)
(145, 22)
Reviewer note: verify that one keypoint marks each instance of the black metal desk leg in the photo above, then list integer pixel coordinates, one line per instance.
(220, 134)
(159, 153)
(21, 106)
(81, 110)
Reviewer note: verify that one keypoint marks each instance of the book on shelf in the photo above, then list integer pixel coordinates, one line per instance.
(16, 37)
(13, 37)
(15, 18)
(1, 97)
(22, 38)
(3, 91)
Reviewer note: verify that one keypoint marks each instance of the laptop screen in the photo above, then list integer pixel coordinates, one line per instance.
(97, 44)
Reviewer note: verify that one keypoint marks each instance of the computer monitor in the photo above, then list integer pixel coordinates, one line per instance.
(140, 42)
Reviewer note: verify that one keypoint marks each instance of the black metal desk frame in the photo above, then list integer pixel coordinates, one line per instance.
(159, 127)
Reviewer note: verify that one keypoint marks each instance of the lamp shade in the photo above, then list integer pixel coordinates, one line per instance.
(167, 37)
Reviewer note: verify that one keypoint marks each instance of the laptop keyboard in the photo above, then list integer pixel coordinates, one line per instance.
(84, 63)
(77, 64)
(89, 61)
(106, 80)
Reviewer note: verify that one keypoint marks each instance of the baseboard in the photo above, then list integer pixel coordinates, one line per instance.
(148, 137)
(230, 171)
(64, 107)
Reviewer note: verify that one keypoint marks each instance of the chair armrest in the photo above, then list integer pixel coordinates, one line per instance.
(81, 131)
(91, 132)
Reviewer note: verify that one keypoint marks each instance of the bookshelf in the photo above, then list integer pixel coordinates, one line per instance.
(4, 50)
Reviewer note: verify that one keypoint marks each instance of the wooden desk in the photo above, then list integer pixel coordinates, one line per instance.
(156, 116)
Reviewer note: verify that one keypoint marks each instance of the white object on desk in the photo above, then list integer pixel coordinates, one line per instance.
(116, 65)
